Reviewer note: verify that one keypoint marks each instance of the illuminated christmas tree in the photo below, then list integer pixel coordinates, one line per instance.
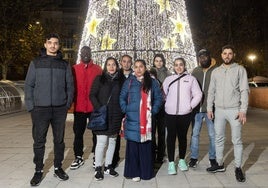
(140, 28)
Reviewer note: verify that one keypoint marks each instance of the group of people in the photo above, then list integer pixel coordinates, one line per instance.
(148, 101)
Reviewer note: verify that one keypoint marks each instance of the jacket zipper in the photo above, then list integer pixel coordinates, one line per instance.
(51, 82)
(178, 98)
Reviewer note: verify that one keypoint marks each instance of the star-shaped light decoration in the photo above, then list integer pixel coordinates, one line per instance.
(169, 43)
(92, 25)
(179, 27)
(107, 42)
(112, 4)
(164, 5)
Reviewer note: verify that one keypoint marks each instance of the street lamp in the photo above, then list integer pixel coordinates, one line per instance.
(252, 57)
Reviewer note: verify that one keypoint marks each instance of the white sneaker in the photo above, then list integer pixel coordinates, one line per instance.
(136, 179)
(77, 163)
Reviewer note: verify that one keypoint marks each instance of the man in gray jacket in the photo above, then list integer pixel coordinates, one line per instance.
(48, 96)
(228, 90)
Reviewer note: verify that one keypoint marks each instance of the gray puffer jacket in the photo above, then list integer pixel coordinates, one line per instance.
(49, 82)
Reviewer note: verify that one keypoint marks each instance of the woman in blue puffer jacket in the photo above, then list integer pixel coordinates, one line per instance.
(140, 98)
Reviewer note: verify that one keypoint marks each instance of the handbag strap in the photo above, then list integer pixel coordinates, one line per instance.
(110, 95)
(175, 81)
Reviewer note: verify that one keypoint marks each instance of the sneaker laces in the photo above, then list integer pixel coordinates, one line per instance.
(76, 161)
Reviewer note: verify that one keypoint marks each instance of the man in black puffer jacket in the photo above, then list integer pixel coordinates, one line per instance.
(48, 96)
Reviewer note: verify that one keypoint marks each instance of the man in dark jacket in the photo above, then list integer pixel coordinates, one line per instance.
(203, 74)
(125, 71)
(48, 96)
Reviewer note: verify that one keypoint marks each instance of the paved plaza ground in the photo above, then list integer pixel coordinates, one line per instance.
(17, 168)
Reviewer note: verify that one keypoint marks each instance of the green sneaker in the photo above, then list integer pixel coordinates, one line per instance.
(182, 165)
(171, 168)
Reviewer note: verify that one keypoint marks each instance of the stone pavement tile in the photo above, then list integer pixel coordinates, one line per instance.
(258, 171)
(76, 182)
(204, 181)
(259, 179)
(108, 182)
(128, 183)
(15, 150)
(20, 156)
(5, 156)
(163, 178)
(6, 171)
(13, 183)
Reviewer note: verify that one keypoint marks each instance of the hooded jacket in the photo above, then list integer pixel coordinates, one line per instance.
(49, 82)
(228, 88)
(203, 77)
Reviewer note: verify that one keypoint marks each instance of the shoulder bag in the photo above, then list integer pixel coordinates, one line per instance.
(98, 118)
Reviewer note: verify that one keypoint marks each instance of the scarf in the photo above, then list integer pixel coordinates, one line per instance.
(112, 76)
(145, 116)
(162, 73)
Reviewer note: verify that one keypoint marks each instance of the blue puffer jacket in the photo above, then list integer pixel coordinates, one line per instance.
(130, 97)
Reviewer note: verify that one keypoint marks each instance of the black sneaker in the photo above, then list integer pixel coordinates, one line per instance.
(98, 173)
(213, 162)
(193, 163)
(77, 163)
(60, 174)
(37, 178)
(110, 171)
(216, 168)
(239, 175)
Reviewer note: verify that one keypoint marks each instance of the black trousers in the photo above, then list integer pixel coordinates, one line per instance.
(42, 117)
(177, 125)
(79, 127)
(116, 156)
(159, 141)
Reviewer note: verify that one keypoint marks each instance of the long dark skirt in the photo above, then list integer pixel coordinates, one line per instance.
(138, 162)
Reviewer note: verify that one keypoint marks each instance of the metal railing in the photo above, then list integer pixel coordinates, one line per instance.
(11, 96)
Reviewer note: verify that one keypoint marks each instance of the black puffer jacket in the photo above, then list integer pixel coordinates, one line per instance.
(99, 94)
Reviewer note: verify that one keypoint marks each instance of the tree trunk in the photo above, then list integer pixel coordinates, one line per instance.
(4, 71)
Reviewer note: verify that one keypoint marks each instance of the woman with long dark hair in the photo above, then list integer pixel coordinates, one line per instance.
(159, 127)
(139, 99)
(106, 85)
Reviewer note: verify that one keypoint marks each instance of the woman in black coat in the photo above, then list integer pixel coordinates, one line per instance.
(106, 85)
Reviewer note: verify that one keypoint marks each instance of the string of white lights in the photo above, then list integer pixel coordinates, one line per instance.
(140, 28)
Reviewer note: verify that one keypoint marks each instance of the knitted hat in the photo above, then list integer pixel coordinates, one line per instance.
(203, 52)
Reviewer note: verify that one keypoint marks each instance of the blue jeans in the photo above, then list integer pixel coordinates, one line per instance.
(196, 132)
